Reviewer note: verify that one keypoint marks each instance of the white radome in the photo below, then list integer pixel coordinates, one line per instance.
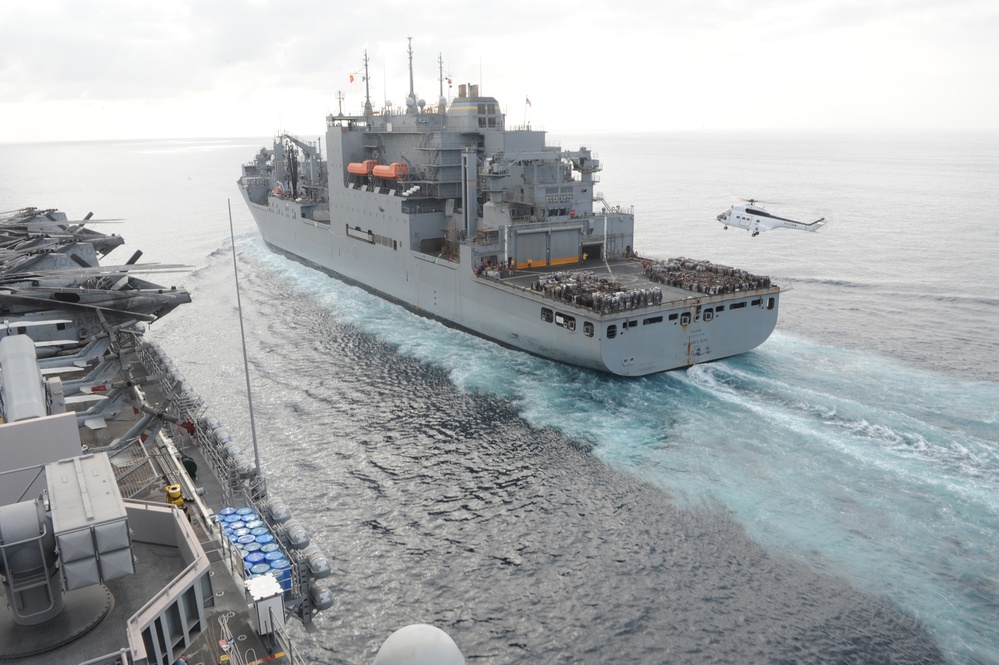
(419, 644)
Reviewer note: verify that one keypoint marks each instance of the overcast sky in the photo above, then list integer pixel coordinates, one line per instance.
(112, 69)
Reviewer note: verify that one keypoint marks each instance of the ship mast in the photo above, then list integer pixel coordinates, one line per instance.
(411, 107)
(440, 76)
(367, 90)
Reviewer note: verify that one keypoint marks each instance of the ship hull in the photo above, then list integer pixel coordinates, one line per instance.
(637, 342)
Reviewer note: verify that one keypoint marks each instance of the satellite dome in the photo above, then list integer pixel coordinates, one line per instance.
(419, 644)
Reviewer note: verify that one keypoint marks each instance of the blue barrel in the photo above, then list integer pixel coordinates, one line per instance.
(233, 517)
(240, 532)
(281, 570)
(259, 530)
(227, 510)
(242, 540)
(273, 555)
(247, 514)
(232, 537)
(250, 547)
(254, 557)
(253, 524)
(259, 569)
(269, 547)
(265, 538)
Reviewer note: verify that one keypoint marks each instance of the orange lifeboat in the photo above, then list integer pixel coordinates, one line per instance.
(392, 171)
(362, 168)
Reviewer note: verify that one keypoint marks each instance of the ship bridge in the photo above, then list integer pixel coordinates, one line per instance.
(474, 113)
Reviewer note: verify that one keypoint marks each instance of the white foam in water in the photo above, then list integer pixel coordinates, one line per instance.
(846, 459)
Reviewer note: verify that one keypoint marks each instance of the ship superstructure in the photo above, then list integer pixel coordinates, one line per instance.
(113, 548)
(447, 210)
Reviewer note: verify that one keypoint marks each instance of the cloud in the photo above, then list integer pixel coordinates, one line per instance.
(184, 68)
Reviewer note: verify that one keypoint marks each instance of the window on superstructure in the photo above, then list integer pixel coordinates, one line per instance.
(547, 315)
(491, 109)
(737, 305)
(674, 317)
(567, 322)
(482, 122)
(771, 303)
(492, 122)
(588, 329)
(611, 331)
(653, 319)
(756, 303)
(482, 109)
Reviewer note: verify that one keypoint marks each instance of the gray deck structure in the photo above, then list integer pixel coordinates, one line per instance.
(112, 478)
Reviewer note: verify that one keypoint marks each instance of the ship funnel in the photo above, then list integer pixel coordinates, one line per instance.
(474, 90)
(461, 90)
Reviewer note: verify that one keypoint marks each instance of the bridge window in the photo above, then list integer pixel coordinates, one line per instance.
(611, 331)
(771, 302)
(588, 329)
(653, 319)
(737, 305)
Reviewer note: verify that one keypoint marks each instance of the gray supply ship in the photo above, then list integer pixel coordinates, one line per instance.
(133, 529)
(449, 212)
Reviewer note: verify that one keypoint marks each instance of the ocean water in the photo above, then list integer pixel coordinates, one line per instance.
(830, 497)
